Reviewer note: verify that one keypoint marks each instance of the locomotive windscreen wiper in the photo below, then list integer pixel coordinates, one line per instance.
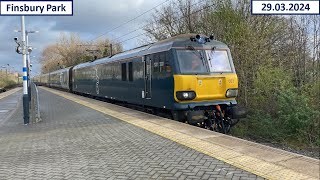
(213, 50)
(193, 50)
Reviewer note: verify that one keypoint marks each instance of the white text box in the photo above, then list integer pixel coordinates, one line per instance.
(285, 7)
(36, 8)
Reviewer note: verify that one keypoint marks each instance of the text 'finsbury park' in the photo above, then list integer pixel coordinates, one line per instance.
(36, 8)
(41, 9)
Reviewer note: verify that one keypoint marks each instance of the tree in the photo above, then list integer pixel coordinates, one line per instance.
(70, 50)
(179, 17)
(276, 58)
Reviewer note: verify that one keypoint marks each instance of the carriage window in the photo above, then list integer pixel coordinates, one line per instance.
(130, 72)
(138, 69)
(124, 71)
(109, 71)
(113, 70)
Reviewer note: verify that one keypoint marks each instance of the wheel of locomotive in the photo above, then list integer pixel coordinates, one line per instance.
(221, 125)
(208, 124)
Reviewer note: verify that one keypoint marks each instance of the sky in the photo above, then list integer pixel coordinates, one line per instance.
(90, 19)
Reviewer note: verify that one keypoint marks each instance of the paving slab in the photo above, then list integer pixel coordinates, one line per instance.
(77, 142)
(240, 156)
(9, 102)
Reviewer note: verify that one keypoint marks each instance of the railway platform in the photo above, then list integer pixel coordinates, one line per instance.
(9, 103)
(82, 138)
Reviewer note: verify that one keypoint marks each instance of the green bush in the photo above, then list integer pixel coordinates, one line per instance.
(278, 112)
(300, 121)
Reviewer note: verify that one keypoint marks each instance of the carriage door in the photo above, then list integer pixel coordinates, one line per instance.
(147, 77)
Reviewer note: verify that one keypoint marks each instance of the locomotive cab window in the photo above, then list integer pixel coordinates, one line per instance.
(162, 62)
(167, 65)
(156, 63)
(191, 62)
(161, 66)
(155, 66)
(218, 61)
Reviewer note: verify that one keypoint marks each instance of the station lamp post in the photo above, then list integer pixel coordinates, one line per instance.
(24, 49)
(29, 50)
(24, 70)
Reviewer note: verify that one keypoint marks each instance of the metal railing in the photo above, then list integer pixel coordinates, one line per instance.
(34, 104)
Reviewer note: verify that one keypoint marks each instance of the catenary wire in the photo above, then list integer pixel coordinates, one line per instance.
(142, 27)
(163, 26)
(129, 20)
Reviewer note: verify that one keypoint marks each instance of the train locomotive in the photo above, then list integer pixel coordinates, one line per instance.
(190, 76)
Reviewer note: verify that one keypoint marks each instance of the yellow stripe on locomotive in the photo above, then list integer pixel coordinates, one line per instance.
(205, 87)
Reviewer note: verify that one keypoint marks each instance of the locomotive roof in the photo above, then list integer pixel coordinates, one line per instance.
(174, 42)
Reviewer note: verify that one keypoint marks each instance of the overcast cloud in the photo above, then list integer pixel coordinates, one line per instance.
(90, 19)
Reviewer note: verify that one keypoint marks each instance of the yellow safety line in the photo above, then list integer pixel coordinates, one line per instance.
(253, 165)
(8, 93)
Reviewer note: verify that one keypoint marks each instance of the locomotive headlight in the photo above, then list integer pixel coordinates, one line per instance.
(185, 95)
(232, 93)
